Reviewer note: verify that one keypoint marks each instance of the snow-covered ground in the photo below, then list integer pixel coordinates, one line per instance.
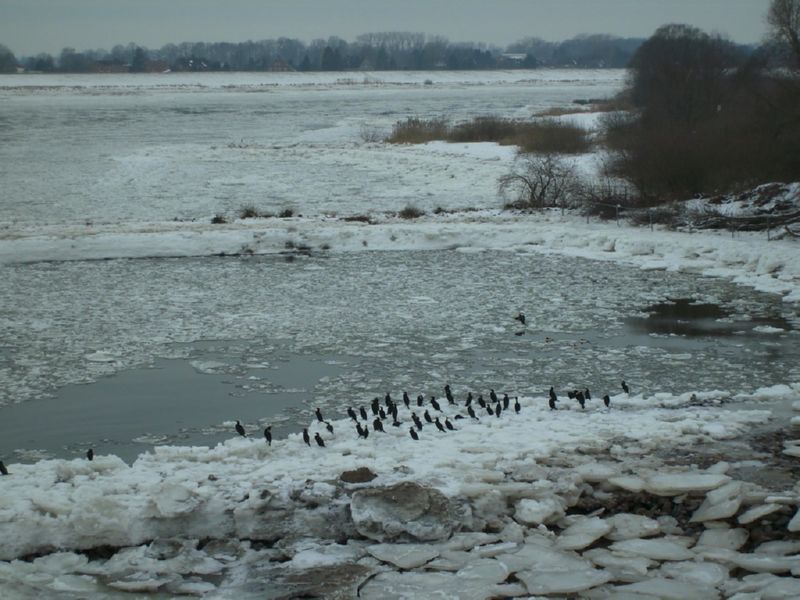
(537, 503)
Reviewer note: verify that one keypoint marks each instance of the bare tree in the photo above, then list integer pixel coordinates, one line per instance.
(783, 18)
(538, 181)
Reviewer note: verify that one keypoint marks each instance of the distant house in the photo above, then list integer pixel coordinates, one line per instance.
(279, 65)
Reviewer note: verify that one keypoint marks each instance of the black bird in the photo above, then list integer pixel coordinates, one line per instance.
(448, 424)
(625, 387)
(387, 398)
(319, 415)
(320, 441)
(489, 409)
(469, 399)
(481, 401)
(553, 394)
(366, 431)
(329, 427)
(520, 317)
(306, 439)
(552, 403)
(351, 413)
(377, 425)
(240, 429)
(3, 470)
(363, 412)
(381, 413)
(571, 395)
(413, 433)
(406, 400)
(581, 400)
(439, 426)
(268, 435)
(427, 416)
(506, 400)
(587, 393)
(449, 395)
(396, 423)
(607, 401)
(492, 396)
(471, 413)
(359, 430)
(417, 422)
(393, 411)
(435, 404)
(90, 454)
(375, 405)
(498, 408)
(420, 400)
(517, 406)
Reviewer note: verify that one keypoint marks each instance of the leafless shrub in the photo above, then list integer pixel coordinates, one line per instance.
(537, 181)
(371, 134)
(418, 131)
(410, 212)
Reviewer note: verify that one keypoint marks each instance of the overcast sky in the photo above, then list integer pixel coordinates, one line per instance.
(32, 26)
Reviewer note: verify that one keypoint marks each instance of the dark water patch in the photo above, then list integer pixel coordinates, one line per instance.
(171, 402)
(690, 318)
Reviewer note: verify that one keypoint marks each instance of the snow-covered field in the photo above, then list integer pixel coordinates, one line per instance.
(536, 503)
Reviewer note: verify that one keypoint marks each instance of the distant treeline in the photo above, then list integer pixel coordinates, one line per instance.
(370, 51)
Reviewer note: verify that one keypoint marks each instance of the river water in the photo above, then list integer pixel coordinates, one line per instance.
(123, 354)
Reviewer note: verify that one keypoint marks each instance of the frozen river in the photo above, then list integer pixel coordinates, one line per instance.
(122, 354)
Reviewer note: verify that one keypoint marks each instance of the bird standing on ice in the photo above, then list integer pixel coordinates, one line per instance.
(320, 441)
(268, 434)
(90, 454)
(240, 429)
(3, 470)
(625, 387)
(306, 437)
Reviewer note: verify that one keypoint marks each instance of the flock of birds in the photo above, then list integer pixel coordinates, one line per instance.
(378, 413)
(494, 407)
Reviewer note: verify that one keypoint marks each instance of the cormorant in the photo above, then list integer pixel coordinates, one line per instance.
(607, 401)
(498, 408)
(363, 412)
(552, 403)
(587, 393)
(506, 400)
(469, 399)
(571, 394)
(381, 413)
(471, 413)
(3, 470)
(359, 430)
(240, 429)
(625, 387)
(320, 441)
(517, 406)
(90, 454)
(435, 404)
(387, 398)
(406, 400)
(319, 415)
(427, 416)
(420, 400)
(375, 405)
(448, 424)
(481, 401)
(377, 425)
(306, 439)
(413, 433)
(268, 434)
(329, 427)
(520, 317)
(581, 400)
(449, 395)
(489, 409)
(492, 396)
(417, 422)
(553, 394)
(439, 426)
(351, 413)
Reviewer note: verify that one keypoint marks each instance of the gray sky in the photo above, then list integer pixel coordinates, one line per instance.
(32, 26)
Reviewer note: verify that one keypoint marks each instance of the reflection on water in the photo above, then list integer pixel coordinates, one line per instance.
(688, 317)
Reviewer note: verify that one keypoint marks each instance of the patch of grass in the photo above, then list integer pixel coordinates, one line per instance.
(218, 219)
(410, 212)
(418, 131)
(358, 219)
(249, 211)
(539, 136)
